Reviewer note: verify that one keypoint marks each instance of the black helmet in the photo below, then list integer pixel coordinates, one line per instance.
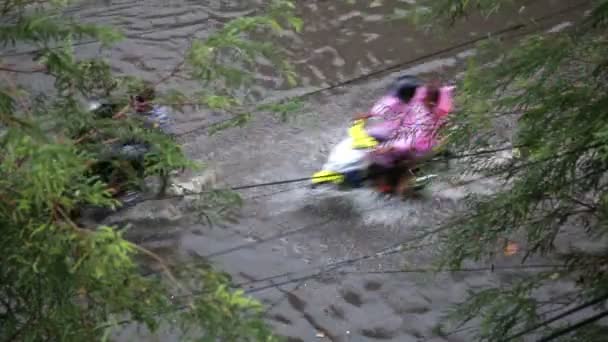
(405, 87)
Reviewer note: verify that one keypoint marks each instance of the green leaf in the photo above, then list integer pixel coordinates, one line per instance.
(63, 271)
(296, 23)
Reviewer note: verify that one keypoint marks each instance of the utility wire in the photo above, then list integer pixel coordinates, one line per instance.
(274, 193)
(267, 239)
(324, 269)
(389, 250)
(298, 230)
(286, 294)
(272, 238)
(328, 268)
(511, 28)
(400, 65)
(333, 269)
(458, 270)
(307, 179)
(403, 64)
(576, 309)
(315, 225)
(574, 327)
(336, 265)
(452, 48)
(284, 234)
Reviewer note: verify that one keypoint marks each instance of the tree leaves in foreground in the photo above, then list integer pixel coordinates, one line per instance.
(551, 88)
(61, 281)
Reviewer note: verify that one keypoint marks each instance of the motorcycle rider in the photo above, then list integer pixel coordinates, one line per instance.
(391, 107)
(406, 106)
(393, 110)
(414, 135)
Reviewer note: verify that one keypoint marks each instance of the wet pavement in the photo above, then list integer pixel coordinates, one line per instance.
(321, 260)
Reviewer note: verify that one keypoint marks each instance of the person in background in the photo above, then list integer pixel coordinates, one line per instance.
(154, 115)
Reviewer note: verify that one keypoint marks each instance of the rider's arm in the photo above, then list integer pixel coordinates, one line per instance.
(380, 108)
(362, 116)
(446, 100)
(398, 146)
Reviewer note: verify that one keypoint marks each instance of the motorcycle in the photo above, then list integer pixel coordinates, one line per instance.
(349, 166)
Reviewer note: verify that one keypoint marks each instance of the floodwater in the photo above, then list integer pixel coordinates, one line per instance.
(311, 256)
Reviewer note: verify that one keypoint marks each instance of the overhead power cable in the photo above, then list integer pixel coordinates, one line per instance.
(310, 178)
(544, 323)
(575, 326)
(452, 48)
(402, 64)
(280, 235)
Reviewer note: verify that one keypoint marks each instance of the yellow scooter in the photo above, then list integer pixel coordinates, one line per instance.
(348, 164)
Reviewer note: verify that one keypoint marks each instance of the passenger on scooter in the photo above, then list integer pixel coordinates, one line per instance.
(353, 159)
(416, 135)
(391, 107)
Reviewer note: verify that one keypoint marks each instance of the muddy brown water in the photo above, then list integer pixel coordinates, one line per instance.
(291, 243)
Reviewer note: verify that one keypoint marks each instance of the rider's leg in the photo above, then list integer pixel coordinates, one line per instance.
(383, 184)
(379, 174)
(407, 176)
(410, 163)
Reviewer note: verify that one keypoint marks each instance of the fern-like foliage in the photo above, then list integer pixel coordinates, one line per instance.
(59, 280)
(545, 98)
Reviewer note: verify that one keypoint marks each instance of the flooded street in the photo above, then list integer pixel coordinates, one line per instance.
(321, 261)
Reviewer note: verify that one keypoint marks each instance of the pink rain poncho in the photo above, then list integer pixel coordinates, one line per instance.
(409, 128)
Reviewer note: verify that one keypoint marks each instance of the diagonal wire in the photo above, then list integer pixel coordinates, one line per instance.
(575, 326)
(274, 193)
(576, 309)
(324, 269)
(399, 65)
(286, 233)
(305, 179)
(458, 270)
(512, 28)
(334, 266)
(310, 226)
